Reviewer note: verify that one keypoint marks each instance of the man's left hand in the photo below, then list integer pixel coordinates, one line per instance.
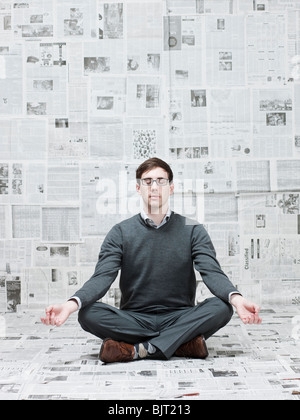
(246, 310)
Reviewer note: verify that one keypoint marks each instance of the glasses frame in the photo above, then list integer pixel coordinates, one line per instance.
(165, 182)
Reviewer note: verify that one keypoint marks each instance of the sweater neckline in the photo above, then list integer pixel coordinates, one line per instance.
(152, 228)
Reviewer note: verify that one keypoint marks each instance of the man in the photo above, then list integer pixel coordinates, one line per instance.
(156, 251)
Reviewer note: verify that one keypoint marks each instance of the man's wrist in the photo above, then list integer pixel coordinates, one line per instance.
(235, 299)
(72, 305)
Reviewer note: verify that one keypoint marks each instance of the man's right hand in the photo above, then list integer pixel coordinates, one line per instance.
(58, 314)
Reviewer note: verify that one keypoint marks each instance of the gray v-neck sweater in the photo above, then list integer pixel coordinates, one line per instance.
(157, 265)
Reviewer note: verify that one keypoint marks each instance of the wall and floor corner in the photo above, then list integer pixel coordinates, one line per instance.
(90, 89)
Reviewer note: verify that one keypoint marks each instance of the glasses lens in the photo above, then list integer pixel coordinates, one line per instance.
(162, 181)
(147, 181)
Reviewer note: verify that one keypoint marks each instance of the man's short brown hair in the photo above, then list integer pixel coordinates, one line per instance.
(153, 163)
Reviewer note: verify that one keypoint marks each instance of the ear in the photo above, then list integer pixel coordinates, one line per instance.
(172, 188)
(138, 188)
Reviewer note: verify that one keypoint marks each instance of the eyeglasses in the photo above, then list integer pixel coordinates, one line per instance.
(161, 182)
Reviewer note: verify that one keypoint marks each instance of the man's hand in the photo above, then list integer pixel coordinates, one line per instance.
(246, 310)
(58, 314)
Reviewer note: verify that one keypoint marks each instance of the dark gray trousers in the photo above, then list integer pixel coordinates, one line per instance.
(165, 330)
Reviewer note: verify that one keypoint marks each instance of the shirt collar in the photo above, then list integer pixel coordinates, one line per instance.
(150, 222)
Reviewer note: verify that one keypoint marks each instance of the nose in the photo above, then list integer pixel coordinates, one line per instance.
(154, 187)
(154, 184)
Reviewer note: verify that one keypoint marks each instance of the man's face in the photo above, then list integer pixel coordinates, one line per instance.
(155, 197)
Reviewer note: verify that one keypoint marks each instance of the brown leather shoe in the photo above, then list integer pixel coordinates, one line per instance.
(196, 349)
(114, 351)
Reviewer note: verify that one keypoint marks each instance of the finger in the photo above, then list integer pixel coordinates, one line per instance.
(245, 319)
(49, 309)
(52, 318)
(45, 319)
(61, 320)
(58, 322)
(256, 309)
(257, 318)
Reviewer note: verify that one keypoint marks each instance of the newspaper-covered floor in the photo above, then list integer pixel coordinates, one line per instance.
(245, 362)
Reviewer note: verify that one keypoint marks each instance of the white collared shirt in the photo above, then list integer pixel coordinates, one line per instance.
(150, 222)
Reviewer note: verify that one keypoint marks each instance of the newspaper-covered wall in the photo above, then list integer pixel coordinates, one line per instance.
(90, 89)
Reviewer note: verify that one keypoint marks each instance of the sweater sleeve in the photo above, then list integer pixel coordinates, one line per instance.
(205, 261)
(106, 270)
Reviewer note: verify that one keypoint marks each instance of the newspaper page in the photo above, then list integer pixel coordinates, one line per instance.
(188, 129)
(221, 204)
(60, 224)
(63, 183)
(265, 48)
(143, 140)
(11, 79)
(180, 7)
(106, 138)
(11, 181)
(230, 123)
(22, 139)
(45, 255)
(287, 175)
(183, 44)
(14, 255)
(33, 19)
(273, 122)
(68, 135)
(270, 225)
(75, 20)
(145, 96)
(107, 96)
(46, 78)
(272, 111)
(216, 176)
(5, 222)
(111, 20)
(188, 112)
(45, 285)
(142, 19)
(144, 56)
(6, 28)
(89, 251)
(253, 176)
(103, 58)
(13, 293)
(293, 42)
(108, 196)
(22, 182)
(270, 213)
(296, 139)
(225, 59)
(26, 221)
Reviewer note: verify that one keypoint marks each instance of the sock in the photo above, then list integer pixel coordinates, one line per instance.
(142, 350)
(151, 349)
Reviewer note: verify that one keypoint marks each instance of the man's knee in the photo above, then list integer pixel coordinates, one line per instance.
(85, 317)
(223, 310)
(97, 320)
